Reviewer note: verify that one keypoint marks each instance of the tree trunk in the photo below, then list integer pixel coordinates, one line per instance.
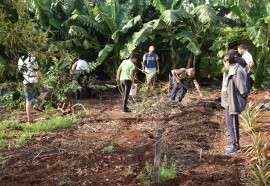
(173, 57)
(190, 61)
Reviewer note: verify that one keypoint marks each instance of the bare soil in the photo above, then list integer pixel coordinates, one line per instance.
(194, 136)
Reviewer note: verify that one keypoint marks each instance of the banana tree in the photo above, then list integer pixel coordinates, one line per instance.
(120, 25)
(251, 26)
(176, 28)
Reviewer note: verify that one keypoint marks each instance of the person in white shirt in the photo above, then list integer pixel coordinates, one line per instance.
(29, 68)
(242, 49)
(82, 67)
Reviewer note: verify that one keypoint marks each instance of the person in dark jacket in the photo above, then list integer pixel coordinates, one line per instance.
(240, 60)
(236, 99)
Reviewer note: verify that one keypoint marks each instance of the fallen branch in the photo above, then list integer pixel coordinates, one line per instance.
(37, 155)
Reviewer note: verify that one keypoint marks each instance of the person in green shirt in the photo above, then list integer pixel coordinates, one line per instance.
(125, 75)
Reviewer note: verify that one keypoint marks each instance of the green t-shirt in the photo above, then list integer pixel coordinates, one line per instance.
(126, 67)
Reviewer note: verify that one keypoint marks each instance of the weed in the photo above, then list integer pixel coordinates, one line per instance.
(9, 124)
(27, 133)
(51, 111)
(166, 173)
(128, 171)
(157, 90)
(146, 105)
(3, 144)
(146, 176)
(4, 117)
(83, 114)
(109, 148)
(3, 163)
(144, 92)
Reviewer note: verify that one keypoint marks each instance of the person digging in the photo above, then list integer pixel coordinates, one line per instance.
(180, 80)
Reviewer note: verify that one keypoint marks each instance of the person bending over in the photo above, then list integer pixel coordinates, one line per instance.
(180, 80)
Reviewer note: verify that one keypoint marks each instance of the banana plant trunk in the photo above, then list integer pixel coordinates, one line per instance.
(173, 57)
(262, 74)
(190, 61)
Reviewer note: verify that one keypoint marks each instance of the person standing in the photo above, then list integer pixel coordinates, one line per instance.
(236, 90)
(180, 79)
(239, 60)
(82, 67)
(125, 75)
(242, 49)
(32, 76)
(150, 65)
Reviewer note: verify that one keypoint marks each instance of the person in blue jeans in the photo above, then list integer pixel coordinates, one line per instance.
(32, 79)
(180, 80)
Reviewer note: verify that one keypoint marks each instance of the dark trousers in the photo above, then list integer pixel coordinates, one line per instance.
(177, 86)
(248, 82)
(126, 86)
(83, 81)
(232, 123)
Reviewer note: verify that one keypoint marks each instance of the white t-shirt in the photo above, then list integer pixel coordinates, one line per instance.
(82, 65)
(28, 67)
(247, 57)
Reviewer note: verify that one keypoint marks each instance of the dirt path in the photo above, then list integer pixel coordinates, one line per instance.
(111, 148)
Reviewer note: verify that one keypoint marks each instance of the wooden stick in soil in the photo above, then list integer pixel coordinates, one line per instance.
(157, 155)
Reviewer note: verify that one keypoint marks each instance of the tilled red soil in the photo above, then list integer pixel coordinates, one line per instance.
(102, 149)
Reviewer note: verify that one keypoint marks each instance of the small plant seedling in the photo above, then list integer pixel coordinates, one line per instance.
(109, 148)
(128, 171)
(166, 173)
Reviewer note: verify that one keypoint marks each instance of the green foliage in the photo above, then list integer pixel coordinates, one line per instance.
(11, 97)
(146, 176)
(261, 173)
(3, 162)
(144, 91)
(206, 14)
(17, 36)
(109, 148)
(249, 116)
(258, 164)
(128, 171)
(83, 114)
(258, 147)
(14, 133)
(62, 83)
(166, 173)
